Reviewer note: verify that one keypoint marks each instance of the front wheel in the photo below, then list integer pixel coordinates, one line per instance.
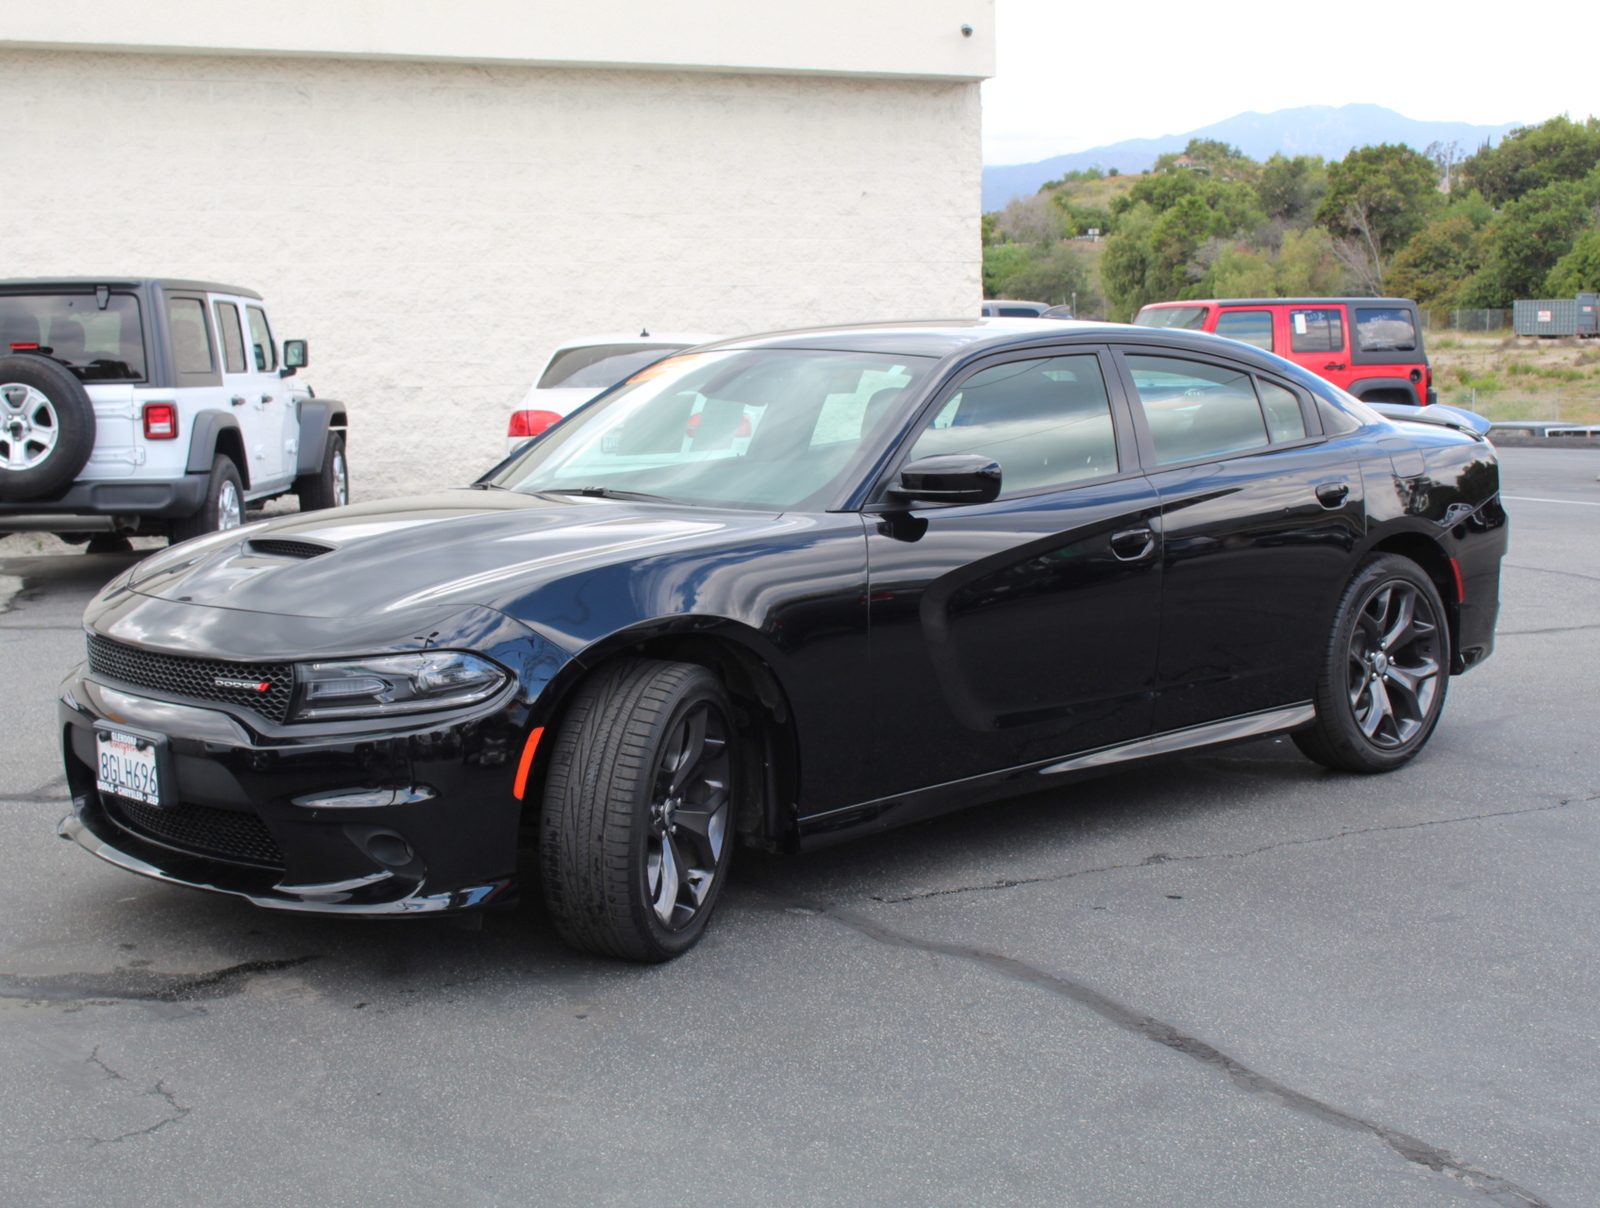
(329, 486)
(637, 825)
(1383, 679)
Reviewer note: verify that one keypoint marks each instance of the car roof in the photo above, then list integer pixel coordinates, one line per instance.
(1279, 302)
(935, 337)
(686, 338)
(14, 284)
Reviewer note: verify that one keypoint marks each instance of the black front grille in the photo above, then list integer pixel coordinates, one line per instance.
(175, 675)
(230, 834)
(281, 547)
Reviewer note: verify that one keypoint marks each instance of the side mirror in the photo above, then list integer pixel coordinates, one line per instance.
(294, 357)
(950, 478)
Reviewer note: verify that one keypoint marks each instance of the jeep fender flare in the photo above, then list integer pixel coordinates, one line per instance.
(216, 432)
(1402, 385)
(318, 417)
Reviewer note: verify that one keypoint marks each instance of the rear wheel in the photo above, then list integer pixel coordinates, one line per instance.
(1384, 675)
(636, 832)
(223, 507)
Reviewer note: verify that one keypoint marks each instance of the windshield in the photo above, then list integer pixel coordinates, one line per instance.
(764, 428)
(99, 344)
(600, 365)
(1192, 318)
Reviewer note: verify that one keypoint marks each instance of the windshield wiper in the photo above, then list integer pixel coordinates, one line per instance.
(607, 493)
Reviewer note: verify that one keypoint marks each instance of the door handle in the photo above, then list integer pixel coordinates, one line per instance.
(1332, 494)
(238, 400)
(265, 399)
(1333, 366)
(1132, 544)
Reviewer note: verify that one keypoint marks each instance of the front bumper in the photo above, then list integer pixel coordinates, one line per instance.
(249, 813)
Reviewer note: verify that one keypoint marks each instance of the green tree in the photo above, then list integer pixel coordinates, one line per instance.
(1440, 258)
(1290, 190)
(1579, 270)
(1382, 194)
(1056, 275)
(1532, 157)
(1125, 266)
(1001, 261)
(1529, 237)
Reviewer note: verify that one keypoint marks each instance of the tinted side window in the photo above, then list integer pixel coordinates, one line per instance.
(232, 337)
(1195, 409)
(1193, 318)
(1285, 420)
(1385, 329)
(261, 345)
(1249, 326)
(1047, 422)
(1316, 330)
(191, 343)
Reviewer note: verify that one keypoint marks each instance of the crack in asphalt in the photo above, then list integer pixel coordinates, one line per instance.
(159, 1090)
(140, 985)
(1496, 1189)
(1545, 570)
(1164, 858)
(1512, 633)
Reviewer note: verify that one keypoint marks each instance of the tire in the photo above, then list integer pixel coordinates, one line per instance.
(640, 790)
(329, 487)
(1384, 675)
(46, 427)
(223, 508)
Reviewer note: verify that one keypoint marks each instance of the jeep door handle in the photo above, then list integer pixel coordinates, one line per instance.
(1332, 365)
(265, 399)
(1332, 494)
(238, 400)
(1132, 544)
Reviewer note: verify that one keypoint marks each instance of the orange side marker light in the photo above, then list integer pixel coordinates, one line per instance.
(528, 750)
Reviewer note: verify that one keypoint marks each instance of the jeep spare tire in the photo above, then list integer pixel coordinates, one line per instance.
(46, 427)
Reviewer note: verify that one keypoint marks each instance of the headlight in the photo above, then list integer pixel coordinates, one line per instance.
(397, 683)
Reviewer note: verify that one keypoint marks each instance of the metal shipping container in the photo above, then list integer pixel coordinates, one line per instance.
(1578, 316)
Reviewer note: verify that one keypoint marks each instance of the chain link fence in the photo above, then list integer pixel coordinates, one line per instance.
(1466, 320)
(1562, 405)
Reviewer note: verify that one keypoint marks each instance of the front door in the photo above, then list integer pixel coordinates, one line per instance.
(1259, 516)
(1024, 629)
(260, 421)
(282, 424)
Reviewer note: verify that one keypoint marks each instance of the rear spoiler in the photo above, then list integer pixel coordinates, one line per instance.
(1461, 420)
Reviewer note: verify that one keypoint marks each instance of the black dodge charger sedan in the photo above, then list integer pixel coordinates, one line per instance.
(783, 591)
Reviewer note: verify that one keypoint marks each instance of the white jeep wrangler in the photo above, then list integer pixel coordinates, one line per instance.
(140, 406)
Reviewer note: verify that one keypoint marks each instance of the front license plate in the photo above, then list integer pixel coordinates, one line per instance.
(128, 765)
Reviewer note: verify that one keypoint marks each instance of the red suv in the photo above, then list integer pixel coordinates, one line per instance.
(1371, 347)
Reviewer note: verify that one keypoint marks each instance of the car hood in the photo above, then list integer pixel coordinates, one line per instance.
(436, 552)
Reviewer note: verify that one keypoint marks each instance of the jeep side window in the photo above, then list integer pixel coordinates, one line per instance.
(1248, 326)
(191, 343)
(1316, 331)
(265, 351)
(232, 337)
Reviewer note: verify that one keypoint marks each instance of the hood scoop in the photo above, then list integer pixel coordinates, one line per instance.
(282, 547)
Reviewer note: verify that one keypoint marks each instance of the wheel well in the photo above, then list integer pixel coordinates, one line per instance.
(1427, 554)
(231, 443)
(338, 420)
(1402, 398)
(763, 717)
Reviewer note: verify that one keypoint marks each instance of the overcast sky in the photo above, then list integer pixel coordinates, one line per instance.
(1073, 76)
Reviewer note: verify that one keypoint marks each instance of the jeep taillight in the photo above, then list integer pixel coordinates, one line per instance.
(160, 421)
(530, 423)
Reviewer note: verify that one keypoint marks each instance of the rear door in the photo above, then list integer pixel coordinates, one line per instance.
(1318, 338)
(1018, 630)
(1259, 517)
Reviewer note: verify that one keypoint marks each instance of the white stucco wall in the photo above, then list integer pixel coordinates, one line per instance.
(435, 228)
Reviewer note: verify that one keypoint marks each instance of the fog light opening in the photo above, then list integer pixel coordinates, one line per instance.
(389, 849)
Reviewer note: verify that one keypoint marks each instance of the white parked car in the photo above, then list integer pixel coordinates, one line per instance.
(581, 369)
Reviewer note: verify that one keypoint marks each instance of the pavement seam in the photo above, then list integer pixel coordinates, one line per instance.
(1545, 570)
(1496, 1189)
(1164, 858)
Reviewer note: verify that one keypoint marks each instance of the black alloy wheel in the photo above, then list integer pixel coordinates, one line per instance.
(1382, 686)
(636, 831)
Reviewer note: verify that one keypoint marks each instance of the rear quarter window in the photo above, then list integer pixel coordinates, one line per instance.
(1385, 329)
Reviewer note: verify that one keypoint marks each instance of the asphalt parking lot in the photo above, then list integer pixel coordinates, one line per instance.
(1234, 978)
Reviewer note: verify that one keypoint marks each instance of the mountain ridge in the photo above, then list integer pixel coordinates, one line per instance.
(1326, 130)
